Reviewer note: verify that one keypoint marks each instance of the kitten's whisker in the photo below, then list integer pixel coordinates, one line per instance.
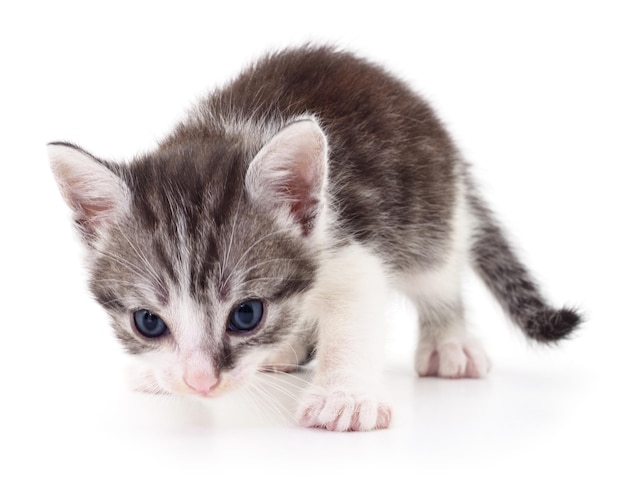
(113, 301)
(116, 281)
(274, 403)
(277, 386)
(131, 267)
(249, 269)
(125, 263)
(284, 375)
(135, 271)
(268, 367)
(295, 353)
(300, 383)
(288, 379)
(245, 254)
(149, 274)
(261, 402)
(253, 400)
(275, 278)
(122, 261)
(151, 270)
(266, 402)
(150, 386)
(232, 235)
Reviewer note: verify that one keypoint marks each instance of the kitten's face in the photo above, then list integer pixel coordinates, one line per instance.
(204, 306)
(202, 267)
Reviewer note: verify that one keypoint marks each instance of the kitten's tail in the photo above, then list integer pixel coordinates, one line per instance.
(510, 282)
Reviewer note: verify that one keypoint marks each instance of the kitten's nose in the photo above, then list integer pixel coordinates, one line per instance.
(201, 382)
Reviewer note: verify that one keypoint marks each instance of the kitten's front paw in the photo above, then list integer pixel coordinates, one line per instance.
(452, 359)
(336, 410)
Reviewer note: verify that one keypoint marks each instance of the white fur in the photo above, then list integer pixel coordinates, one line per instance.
(444, 348)
(349, 302)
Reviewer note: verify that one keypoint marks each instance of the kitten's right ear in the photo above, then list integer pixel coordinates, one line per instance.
(96, 195)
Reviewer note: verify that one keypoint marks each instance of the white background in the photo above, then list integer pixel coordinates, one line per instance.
(535, 95)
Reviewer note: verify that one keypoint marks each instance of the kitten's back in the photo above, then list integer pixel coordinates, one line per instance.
(393, 168)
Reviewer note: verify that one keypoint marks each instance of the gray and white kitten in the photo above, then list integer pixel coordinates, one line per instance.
(269, 226)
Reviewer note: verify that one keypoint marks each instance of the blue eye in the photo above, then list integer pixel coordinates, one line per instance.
(246, 316)
(150, 325)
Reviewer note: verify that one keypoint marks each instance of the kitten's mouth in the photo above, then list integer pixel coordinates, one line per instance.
(205, 394)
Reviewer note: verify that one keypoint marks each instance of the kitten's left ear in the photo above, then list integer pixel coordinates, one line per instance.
(289, 173)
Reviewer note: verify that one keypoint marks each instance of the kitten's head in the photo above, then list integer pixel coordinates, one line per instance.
(203, 253)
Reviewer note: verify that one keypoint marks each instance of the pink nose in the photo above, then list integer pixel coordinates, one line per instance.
(201, 382)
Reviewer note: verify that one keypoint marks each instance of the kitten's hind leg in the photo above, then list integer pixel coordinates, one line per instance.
(444, 348)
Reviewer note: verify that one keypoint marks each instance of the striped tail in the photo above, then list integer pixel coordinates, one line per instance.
(510, 282)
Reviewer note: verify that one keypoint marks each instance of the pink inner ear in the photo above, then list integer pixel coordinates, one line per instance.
(304, 211)
(304, 203)
(95, 193)
(90, 208)
(290, 171)
(94, 209)
(302, 190)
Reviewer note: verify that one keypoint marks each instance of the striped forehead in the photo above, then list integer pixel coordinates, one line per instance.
(192, 326)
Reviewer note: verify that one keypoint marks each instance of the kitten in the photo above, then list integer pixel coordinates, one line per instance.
(268, 226)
